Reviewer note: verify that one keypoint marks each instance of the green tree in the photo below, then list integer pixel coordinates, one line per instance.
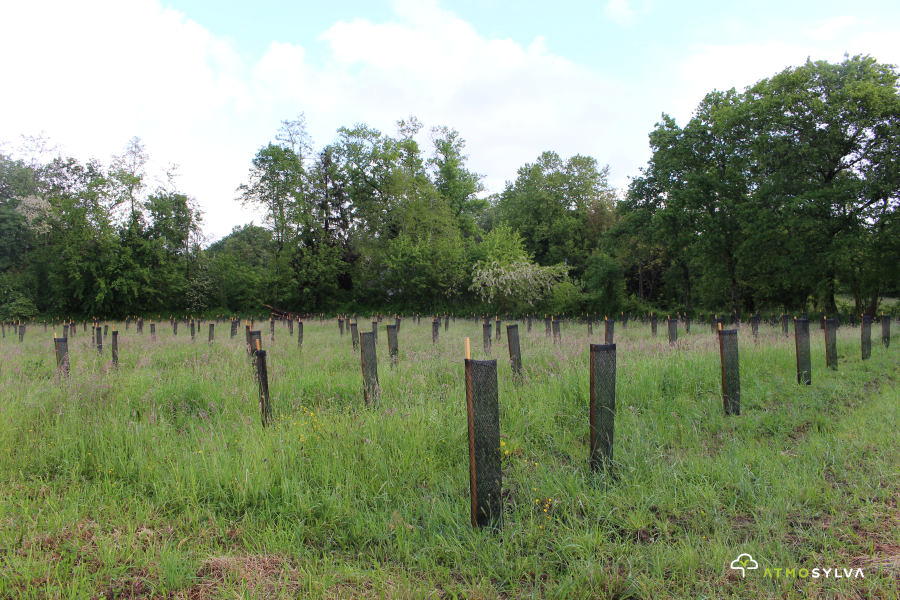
(825, 138)
(276, 188)
(453, 181)
(551, 204)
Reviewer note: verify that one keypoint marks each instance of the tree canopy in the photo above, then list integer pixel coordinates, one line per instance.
(783, 196)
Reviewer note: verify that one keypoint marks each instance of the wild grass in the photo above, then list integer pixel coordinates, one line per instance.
(156, 478)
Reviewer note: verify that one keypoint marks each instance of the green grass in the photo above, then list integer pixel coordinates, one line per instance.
(156, 478)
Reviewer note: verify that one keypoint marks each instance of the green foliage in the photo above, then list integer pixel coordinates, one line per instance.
(19, 308)
(566, 297)
(780, 196)
(778, 193)
(560, 208)
(502, 245)
(517, 283)
(604, 284)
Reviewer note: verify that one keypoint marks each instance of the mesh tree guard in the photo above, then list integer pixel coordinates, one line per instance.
(602, 404)
(590, 324)
(754, 326)
(821, 320)
(866, 337)
(886, 330)
(375, 330)
(105, 331)
(291, 326)
(785, 320)
(397, 323)
(272, 329)
(673, 331)
(804, 357)
(831, 360)
(393, 347)
(515, 353)
(174, 327)
(557, 336)
(547, 324)
(653, 325)
(98, 341)
(497, 328)
(140, 326)
(852, 320)
(300, 334)
(486, 334)
(529, 323)
(21, 333)
(609, 332)
(341, 326)
(369, 360)
(255, 341)
(192, 330)
(624, 320)
(446, 322)
(65, 331)
(731, 374)
(153, 331)
(234, 326)
(61, 345)
(212, 332)
(262, 375)
(483, 411)
(435, 330)
(687, 323)
(354, 335)
(115, 348)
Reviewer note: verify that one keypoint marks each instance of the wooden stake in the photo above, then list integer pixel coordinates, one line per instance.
(468, 350)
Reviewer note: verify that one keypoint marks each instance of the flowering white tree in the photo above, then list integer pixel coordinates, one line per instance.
(514, 283)
(35, 210)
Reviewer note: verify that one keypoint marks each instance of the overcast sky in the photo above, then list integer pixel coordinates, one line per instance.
(205, 83)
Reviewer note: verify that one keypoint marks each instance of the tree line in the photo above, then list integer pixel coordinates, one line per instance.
(782, 197)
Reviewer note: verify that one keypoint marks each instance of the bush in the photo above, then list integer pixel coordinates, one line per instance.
(19, 308)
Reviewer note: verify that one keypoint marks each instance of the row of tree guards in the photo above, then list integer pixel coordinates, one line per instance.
(482, 392)
(733, 319)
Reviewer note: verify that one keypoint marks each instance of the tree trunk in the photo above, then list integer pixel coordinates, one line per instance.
(687, 283)
(641, 280)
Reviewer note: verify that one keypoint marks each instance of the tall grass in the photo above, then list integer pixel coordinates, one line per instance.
(165, 463)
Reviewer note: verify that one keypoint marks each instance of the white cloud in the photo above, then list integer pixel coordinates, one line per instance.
(619, 11)
(829, 28)
(722, 67)
(94, 74)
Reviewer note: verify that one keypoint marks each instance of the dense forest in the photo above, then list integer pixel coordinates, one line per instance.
(781, 197)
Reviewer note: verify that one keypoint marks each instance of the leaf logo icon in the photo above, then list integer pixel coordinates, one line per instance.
(744, 563)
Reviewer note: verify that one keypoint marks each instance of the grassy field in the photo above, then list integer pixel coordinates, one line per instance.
(156, 479)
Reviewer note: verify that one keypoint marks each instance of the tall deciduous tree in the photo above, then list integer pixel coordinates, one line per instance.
(551, 204)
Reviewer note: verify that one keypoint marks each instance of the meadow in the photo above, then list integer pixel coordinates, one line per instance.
(156, 478)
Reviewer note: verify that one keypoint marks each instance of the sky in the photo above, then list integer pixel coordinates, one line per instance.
(206, 83)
